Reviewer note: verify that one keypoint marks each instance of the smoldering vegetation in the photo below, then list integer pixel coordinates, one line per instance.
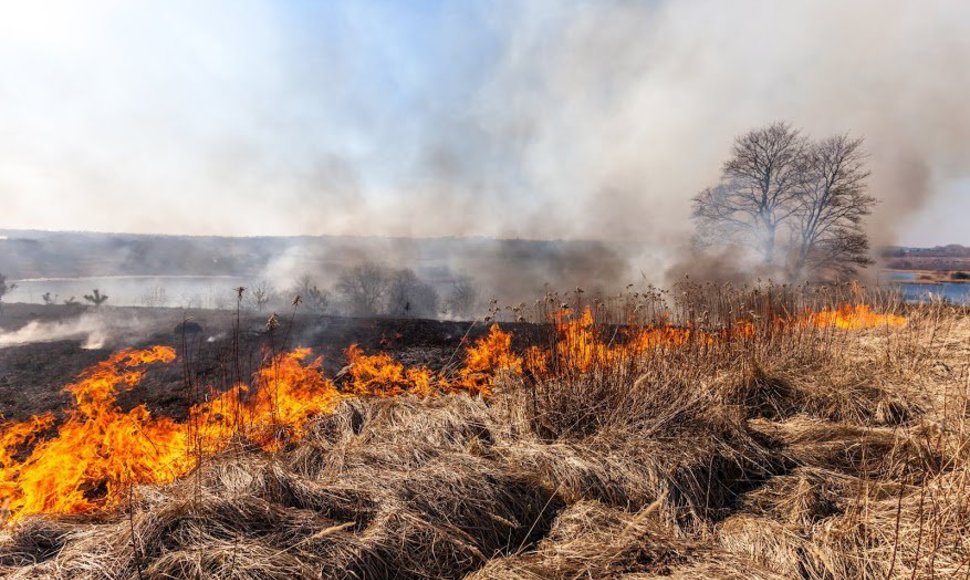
(797, 452)
(91, 329)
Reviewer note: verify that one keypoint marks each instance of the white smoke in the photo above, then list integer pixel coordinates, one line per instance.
(571, 119)
(91, 329)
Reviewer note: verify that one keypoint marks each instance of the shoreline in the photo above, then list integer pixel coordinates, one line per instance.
(926, 277)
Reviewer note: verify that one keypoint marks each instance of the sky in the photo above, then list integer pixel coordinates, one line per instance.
(535, 119)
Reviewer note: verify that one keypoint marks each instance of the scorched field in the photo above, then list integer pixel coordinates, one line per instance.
(706, 432)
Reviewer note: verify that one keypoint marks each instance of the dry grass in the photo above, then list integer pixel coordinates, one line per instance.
(815, 454)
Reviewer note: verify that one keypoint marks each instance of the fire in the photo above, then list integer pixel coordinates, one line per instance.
(380, 374)
(490, 355)
(580, 346)
(98, 451)
(854, 317)
(287, 394)
(89, 460)
(96, 448)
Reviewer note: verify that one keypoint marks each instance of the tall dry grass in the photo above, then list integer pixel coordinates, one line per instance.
(790, 451)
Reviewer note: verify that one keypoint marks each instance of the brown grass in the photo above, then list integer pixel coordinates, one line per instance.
(808, 453)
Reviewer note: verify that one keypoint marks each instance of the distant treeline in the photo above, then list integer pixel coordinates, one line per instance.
(950, 251)
(506, 270)
(32, 254)
(942, 258)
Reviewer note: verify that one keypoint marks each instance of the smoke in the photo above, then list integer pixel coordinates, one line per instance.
(505, 270)
(94, 329)
(91, 329)
(638, 102)
(723, 265)
(584, 119)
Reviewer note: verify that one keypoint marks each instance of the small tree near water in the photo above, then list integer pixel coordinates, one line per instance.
(96, 298)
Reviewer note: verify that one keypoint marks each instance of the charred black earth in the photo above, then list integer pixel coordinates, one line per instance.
(214, 349)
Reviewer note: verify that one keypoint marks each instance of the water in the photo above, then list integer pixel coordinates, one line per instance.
(957, 293)
(161, 291)
(906, 282)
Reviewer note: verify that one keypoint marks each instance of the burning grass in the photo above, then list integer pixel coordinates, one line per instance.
(827, 443)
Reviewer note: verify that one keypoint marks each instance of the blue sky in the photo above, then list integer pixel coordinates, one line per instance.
(546, 118)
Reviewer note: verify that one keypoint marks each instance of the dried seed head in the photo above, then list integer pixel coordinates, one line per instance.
(272, 322)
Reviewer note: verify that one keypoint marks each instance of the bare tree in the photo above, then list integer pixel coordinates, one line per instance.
(312, 296)
(96, 298)
(759, 184)
(829, 238)
(49, 300)
(409, 296)
(363, 287)
(261, 294)
(462, 298)
(780, 188)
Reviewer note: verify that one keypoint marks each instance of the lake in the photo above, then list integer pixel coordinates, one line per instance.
(958, 293)
(162, 291)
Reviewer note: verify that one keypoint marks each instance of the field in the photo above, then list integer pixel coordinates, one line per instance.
(705, 432)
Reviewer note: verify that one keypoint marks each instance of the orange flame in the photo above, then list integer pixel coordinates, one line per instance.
(96, 448)
(490, 355)
(99, 450)
(287, 394)
(381, 375)
(90, 459)
(853, 317)
(580, 347)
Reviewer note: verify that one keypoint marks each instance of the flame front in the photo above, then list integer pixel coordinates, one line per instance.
(98, 451)
(853, 317)
(89, 460)
(95, 449)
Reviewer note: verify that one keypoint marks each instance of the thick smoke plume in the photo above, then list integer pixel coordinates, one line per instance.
(639, 102)
(542, 120)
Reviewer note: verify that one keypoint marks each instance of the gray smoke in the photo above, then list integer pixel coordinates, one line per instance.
(583, 119)
(630, 107)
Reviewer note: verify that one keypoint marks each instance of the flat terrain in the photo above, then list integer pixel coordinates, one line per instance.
(778, 450)
(32, 375)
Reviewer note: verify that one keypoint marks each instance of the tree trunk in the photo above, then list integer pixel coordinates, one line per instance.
(769, 249)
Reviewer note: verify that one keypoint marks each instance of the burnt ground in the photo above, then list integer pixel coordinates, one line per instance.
(32, 375)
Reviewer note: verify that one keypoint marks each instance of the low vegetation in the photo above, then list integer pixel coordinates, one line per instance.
(758, 434)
